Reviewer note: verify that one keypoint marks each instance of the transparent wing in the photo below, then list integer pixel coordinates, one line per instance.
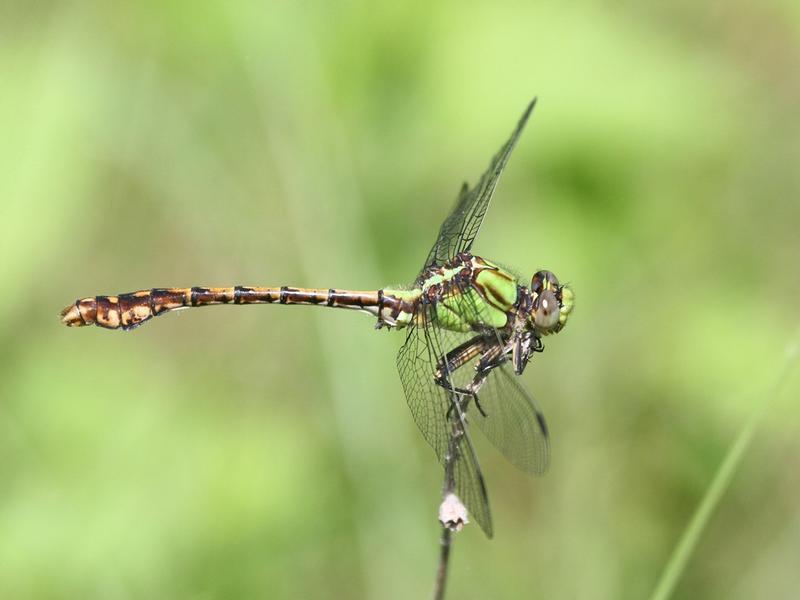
(461, 226)
(439, 417)
(513, 423)
(470, 486)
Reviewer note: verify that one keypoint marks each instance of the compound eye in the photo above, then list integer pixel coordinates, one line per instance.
(547, 312)
(543, 280)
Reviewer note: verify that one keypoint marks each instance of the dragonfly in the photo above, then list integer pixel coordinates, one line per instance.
(471, 327)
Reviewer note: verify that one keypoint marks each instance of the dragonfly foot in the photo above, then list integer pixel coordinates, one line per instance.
(478, 404)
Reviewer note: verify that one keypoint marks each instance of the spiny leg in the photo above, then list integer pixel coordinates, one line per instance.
(490, 359)
(455, 359)
(492, 355)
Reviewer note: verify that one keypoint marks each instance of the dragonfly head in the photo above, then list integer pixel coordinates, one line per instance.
(552, 303)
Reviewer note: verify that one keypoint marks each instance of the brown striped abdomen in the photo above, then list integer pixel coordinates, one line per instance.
(128, 311)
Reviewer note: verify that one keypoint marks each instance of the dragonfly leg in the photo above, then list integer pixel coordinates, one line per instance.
(463, 392)
(457, 358)
(478, 405)
(469, 395)
(454, 360)
(491, 355)
(490, 359)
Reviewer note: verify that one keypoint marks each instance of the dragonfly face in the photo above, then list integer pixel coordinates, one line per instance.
(552, 303)
(540, 310)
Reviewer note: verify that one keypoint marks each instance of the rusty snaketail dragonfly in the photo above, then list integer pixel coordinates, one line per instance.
(471, 326)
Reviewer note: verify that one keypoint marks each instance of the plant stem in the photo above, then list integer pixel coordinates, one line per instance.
(444, 561)
(722, 479)
(448, 487)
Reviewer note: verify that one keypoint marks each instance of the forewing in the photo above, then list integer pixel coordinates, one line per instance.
(428, 402)
(460, 228)
(445, 429)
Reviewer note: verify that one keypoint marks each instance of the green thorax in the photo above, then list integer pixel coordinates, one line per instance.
(465, 293)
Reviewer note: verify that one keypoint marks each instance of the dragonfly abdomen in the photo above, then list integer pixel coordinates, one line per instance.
(127, 311)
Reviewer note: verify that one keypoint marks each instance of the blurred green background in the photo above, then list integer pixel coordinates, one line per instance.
(268, 451)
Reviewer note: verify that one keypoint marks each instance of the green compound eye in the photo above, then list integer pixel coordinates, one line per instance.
(547, 311)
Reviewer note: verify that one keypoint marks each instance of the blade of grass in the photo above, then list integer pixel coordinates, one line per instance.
(722, 479)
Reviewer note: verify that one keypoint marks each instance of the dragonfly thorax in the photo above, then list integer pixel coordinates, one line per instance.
(469, 293)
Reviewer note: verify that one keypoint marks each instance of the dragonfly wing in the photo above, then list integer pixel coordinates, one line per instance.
(513, 422)
(460, 228)
(429, 403)
(442, 422)
(469, 484)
